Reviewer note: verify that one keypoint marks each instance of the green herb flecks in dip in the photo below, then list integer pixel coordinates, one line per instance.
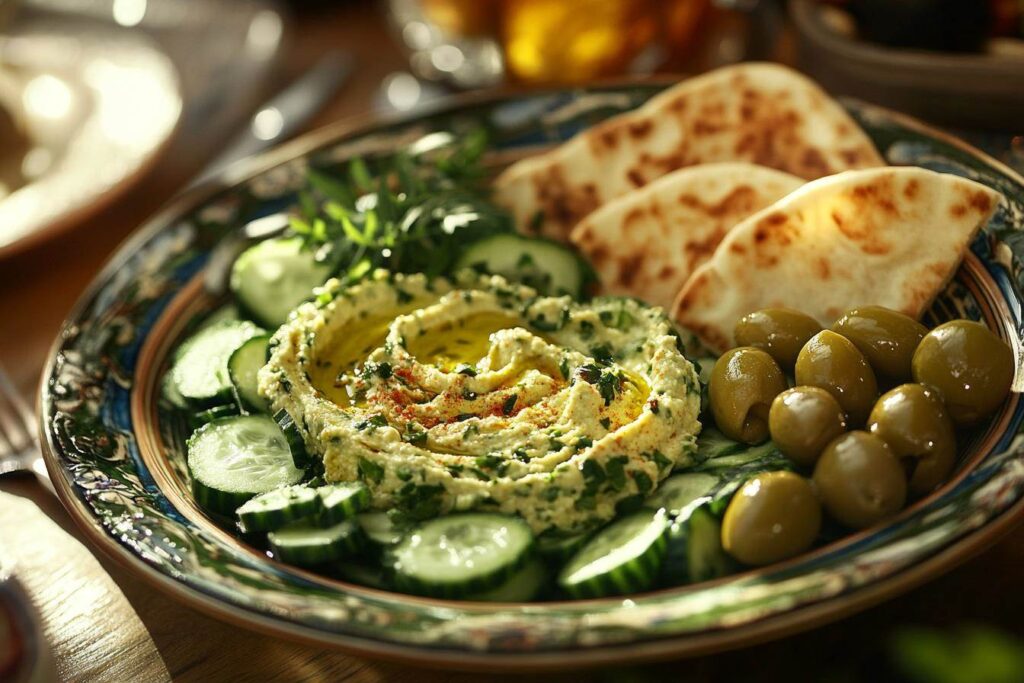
(482, 395)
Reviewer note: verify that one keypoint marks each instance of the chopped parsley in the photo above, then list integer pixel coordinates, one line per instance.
(643, 482)
(370, 470)
(415, 502)
(414, 434)
(619, 319)
(465, 369)
(372, 422)
(492, 462)
(616, 469)
(603, 354)
(661, 460)
(371, 369)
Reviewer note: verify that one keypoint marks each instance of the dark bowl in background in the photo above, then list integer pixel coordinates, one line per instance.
(972, 90)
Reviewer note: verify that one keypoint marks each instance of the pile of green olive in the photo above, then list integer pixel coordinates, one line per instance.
(815, 393)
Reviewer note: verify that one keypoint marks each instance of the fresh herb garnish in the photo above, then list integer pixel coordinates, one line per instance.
(413, 212)
(370, 470)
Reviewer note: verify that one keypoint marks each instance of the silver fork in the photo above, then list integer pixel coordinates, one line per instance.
(19, 447)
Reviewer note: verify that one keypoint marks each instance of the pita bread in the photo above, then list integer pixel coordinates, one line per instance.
(765, 114)
(891, 237)
(646, 244)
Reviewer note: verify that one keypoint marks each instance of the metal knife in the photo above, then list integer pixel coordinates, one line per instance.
(282, 115)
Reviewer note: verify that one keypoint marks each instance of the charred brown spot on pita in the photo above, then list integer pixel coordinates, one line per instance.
(629, 267)
(666, 272)
(822, 268)
(741, 199)
(640, 129)
(911, 189)
(852, 157)
(814, 163)
(563, 205)
(585, 236)
(605, 137)
(861, 228)
(678, 105)
(635, 177)
(981, 201)
(707, 127)
(773, 219)
(599, 255)
(880, 194)
(699, 251)
(737, 248)
(634, 215)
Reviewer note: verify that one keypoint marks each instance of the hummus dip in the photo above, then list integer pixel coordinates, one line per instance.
(481, 395)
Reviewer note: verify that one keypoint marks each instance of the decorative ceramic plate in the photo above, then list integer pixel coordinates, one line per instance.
(119, 468)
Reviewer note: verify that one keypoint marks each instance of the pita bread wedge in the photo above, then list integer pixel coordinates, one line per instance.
(646, 244)
(892, 237)
(765, 114)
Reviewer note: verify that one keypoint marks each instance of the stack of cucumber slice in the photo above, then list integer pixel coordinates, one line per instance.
(253, 468)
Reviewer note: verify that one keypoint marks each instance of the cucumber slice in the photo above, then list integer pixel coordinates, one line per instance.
(275, 509)
(712, 444)
(706, 559)
(622, 558)
(675, 567)
(548, 267)
(197, 420)
(225, 312)
(295, 441)
(745, 455)
(306, 545)
(341, 501)
(558, 549)
(243, 365)
(379, 528)
(460, 554)
(169, 392)
(682, 491)
(200, 370)
(235, 458)
(363, 573)
(522, 586)
(271, 278)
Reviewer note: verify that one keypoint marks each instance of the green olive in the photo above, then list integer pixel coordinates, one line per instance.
(912, 420)
(744, 382)
(772, 517)
(971, 368)
(803, 420)
(782, 332)
(860, 481)
(886, 337)
(832, 362)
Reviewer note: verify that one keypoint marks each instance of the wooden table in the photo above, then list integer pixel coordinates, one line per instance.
(103, 624)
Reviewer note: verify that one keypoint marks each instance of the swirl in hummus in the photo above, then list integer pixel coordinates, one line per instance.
(482, 395)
